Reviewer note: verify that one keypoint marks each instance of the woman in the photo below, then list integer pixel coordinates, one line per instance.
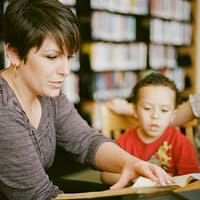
(41, 36)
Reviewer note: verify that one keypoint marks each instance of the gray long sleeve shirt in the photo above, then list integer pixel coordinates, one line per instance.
(25, 152)
(195, 104)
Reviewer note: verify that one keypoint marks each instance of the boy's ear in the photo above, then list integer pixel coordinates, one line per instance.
(12, 55)
(135, 115)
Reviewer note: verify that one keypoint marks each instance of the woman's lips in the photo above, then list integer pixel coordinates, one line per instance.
(56, 84)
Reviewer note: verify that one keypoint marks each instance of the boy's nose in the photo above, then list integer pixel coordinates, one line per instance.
(155, 114)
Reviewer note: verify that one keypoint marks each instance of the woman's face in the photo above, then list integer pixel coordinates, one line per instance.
(45, 69)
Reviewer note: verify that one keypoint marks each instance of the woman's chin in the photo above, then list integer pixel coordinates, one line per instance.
(53, 93)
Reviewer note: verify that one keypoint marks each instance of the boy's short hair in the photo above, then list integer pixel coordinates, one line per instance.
(155, 79)
(28, 22)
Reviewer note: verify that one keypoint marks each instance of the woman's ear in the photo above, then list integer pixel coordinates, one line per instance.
(135, 115)
(12, 55)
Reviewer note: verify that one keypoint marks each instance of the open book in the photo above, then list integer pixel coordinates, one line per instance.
(179, 181)
(141, 186)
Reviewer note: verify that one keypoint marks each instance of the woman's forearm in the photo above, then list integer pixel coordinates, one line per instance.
(110, 157)
(109, 178)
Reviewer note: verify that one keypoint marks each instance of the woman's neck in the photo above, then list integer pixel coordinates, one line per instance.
(29, 103)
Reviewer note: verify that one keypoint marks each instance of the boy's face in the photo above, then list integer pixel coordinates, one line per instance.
(155, 110)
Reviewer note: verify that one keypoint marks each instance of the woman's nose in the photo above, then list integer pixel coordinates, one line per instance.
(65, 67)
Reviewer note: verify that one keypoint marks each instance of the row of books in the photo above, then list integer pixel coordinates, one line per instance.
(171, 9)
(112, 56)
(133, 56)
(170, 32)
(177, 75)
(122, 6)
(75, 62)
(113, 84)
(121, 28)
(108, 85)
(71, 87)
(114, 27)
(68, 2)
(71, 84)
(160, 56)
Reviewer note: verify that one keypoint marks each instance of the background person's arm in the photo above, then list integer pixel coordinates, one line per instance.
(183, 114)
(120, 106)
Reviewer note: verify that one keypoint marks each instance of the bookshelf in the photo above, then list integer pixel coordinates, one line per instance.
(123, 40)
(71, 85)
(2, 4)
(196, 59)
(127, 38)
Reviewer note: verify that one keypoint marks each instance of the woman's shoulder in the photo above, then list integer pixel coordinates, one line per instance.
(6, 95)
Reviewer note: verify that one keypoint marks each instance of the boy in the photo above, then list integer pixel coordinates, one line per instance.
(155, 99)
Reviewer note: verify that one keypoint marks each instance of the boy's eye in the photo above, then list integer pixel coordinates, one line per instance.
(164, 110)
(147, 108)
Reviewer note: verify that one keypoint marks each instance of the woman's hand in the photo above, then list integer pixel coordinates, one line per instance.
(142, 168)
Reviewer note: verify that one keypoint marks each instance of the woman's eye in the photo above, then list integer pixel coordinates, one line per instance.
(51, 57)
(70, 57)
(147, 108)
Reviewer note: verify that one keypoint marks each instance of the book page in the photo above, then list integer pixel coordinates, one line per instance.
(196, 176)
(181, 180)
(144, 182)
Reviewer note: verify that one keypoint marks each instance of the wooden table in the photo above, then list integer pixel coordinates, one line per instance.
(189, 192)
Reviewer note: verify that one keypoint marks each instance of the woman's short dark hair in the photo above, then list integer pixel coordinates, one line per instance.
(28, 22)
(155, 79)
